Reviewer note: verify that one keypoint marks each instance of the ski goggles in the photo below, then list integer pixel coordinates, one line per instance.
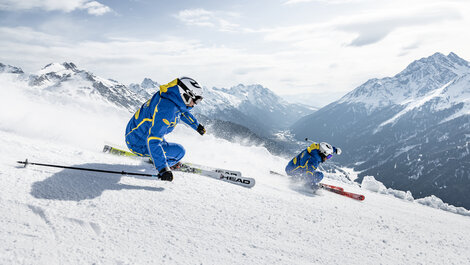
(329, 156)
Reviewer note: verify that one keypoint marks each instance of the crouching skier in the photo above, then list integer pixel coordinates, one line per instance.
(304, 165)
(157, 117)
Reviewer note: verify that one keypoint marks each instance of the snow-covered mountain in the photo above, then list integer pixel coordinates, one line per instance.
(252, 106)
(145, 89)
(10, 69)
(67, 80)
(411, 131)
(62, 216)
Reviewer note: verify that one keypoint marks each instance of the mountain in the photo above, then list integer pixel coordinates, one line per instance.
(66, 79)
(410, 131)
(145, 89)
(10, 69)
(252, 106)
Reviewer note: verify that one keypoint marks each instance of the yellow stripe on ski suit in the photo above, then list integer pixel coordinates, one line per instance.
(306, 167)
(154, 113)
(147, 119)
(153, 138)
(144, 120)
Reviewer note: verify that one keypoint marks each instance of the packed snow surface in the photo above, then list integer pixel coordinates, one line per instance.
(56, 216)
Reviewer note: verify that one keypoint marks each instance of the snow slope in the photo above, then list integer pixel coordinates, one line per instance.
(54, 216)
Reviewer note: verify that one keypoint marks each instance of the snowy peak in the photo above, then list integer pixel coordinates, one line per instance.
(146, 89)
(68, 81)
(418, 80)
(10, 69)
(149, 83)
(59, 69)
(437, 63)
(266, 111)
(255, 94)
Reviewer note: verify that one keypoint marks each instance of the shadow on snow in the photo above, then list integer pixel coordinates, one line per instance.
(77, 185)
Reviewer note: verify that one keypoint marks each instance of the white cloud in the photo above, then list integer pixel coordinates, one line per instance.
(204, 18)
(293, 2)
(373, 28)
(198, 17)
(95, 8)
(92, 7)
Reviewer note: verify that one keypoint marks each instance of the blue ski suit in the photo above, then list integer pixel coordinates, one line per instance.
(305, 164)
(157, 117)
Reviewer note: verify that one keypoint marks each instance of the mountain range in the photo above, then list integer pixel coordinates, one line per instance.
(66, 79)
(411, 131)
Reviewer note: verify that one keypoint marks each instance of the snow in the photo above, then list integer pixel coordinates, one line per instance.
(369, 183)
(414, 103)
(54, 67)
(55, 216)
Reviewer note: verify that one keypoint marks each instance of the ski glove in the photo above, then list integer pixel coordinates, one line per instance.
(165, 174)
(338, 150)
(200, 129)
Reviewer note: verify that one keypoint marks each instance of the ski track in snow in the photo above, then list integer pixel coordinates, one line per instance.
(54, 216)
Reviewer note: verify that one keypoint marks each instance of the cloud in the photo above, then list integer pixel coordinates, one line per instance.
(374, 28)
(95, 8)
(250, 70)
(92, 7)
(129, 60)
(293, 2)
(204, 18)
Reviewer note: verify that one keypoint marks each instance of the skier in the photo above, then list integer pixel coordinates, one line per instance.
(157, 117)
(304, 165)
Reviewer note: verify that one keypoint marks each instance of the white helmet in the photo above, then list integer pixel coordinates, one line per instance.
(326, 150)
(189, 89)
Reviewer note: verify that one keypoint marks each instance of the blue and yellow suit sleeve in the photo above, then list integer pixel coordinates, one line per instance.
(305, 163)
(189, 119)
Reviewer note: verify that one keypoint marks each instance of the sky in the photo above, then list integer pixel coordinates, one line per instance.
(316, 49)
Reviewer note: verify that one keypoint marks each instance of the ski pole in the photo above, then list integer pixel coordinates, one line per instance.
(26, 162)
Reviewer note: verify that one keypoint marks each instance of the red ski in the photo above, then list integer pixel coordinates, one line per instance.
(331, 186)
(340, 191)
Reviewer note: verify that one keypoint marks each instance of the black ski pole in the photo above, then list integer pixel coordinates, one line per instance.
(26, 162)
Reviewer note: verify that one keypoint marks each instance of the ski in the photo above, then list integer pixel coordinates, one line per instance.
(351, 195)
(233, 177)
(116, 151)
(333, 187)
(230, 176)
